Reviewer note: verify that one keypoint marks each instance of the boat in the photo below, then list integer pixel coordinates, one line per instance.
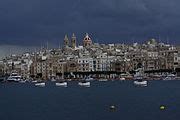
(2, 79)
(103, 80)
(89, 78)
(22, 81)
(42, 84)
(69, 79)
(63, 84)
(53, 80)
(84, 83)
(122, 78)
(138, 78)
(141, 83)
(170, 77)
(34, 81)
(14, 77)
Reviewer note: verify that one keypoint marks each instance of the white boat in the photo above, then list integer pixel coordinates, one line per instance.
(22, 81)
(138, 78)
(14, 77)
(34, 81)
(84, 83)
(69, 79)
(122, 79)
(89, 78)
(63, 84)
(53, 80)
(103, 80)
(141, 83)
(170, 77)
(40, 84)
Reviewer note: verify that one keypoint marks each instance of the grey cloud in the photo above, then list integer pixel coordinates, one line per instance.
(25, 22)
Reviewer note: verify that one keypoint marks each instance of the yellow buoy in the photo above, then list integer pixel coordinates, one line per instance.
(162, 107)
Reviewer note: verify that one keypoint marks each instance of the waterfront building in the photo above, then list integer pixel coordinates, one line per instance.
(85, 64)
(72, 65)
(93, 58)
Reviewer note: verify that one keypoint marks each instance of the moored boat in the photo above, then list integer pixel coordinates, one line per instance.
(34, 81)
(122, 78)
(42, 84)
(22, 81)
(138, 78)
(14, 77)
(84, 83)
(63, 84)
(140, 82)
(88, 78)
(170, 77)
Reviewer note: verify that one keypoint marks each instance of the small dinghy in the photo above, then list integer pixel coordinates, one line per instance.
(84, 83)
(40, 84)
(63, 84)
(140, 82)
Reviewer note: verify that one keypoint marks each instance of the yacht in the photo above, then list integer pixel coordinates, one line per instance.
(14, 77)
(138, 78)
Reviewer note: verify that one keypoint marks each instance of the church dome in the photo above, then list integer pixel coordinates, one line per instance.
(87, 40)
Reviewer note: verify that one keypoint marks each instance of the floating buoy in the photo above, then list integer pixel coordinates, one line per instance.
(162, 107)
(112, 107)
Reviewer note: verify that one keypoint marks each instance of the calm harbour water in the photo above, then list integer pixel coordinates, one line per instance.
(28, 102)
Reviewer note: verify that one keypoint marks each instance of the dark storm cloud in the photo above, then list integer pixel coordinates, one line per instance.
(31, 22)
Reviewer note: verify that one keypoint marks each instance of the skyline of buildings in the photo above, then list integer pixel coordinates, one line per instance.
(93, 57)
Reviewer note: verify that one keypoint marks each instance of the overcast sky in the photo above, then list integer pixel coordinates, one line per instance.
(33, 22)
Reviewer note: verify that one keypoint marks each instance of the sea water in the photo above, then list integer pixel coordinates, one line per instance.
(25, 101)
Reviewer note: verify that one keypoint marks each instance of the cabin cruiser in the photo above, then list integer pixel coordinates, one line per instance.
(84, 83)
(138, 78)
(14, 77)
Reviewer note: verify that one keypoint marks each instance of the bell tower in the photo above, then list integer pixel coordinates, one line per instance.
(73, 41)
(66, 41)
